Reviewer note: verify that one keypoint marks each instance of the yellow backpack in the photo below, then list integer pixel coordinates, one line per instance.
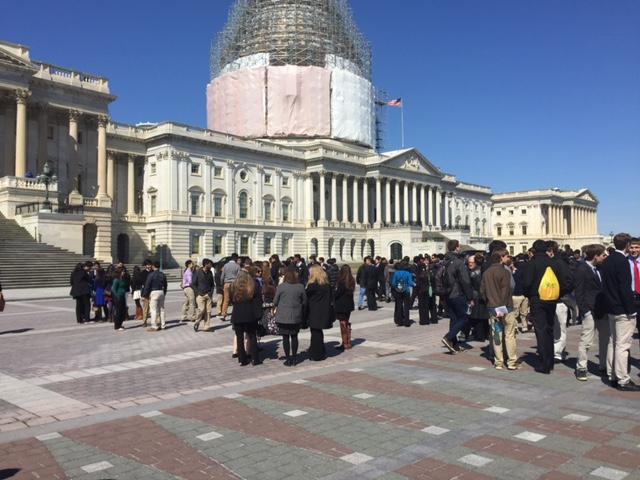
(549, 289)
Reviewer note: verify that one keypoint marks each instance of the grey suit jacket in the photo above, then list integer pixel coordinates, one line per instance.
(290, 301)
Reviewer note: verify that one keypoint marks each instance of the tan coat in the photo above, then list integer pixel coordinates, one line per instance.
(495, 287)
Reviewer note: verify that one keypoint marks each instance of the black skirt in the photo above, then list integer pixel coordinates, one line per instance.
(288, 329)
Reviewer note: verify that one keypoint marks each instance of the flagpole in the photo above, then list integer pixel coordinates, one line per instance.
(402, 122)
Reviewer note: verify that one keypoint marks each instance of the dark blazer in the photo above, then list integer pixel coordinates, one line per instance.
(344, 300)
(535, 271)
(319, 306)
(616, 283)
(80, 283)
(203, 283)
(249, 311)
(290, 301)
(589, 295)
(370, 277)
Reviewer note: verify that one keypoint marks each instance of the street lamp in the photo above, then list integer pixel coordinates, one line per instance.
(47, 177)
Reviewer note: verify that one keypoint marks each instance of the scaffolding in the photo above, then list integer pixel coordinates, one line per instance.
(291, 32)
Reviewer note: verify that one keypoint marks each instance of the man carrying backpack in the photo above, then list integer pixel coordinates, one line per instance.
(544, 281)
(456, 283)
(401, 285)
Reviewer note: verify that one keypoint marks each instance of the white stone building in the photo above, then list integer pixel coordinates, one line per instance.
(568, 217)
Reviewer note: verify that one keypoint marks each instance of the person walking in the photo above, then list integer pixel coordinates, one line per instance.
(203, 286)
(319, 311)
(227, 277)
(592, 308)
(458, 294)
(80, 282)
(119, 289)
(401, 284)
(496, 290)
(290, 303)
(247, 311)
(189, 305)
(618, 284)
(147, 268)
(155, 290)
(344, 304)
(545, 280)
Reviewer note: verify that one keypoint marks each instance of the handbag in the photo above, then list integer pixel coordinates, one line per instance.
(137, 294)
(2, 302)
(268, 322)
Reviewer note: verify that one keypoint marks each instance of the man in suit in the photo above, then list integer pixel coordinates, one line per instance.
(617, 282)
(592, 308)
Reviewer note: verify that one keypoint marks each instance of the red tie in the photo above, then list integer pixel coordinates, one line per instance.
(636, 277)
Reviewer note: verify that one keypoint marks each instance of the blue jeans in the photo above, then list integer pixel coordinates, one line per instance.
(458, 317)
(362, 296)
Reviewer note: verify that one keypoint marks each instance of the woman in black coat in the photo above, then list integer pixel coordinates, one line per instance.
(344, 304)
(319, 310)
(247, 311)
(80, 281)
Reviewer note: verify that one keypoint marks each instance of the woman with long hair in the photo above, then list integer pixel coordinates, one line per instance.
(319, 310)
(247, 311)
(137, 284)
(119, 295)
(344, 304)
(290, 302)
(274, 270)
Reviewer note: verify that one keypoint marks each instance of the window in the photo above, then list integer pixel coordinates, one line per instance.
(243, 175)
(511, 231)
(195, 244)
(195, 169)
(285, 212)
(217, 172)
(217, 206)
(512, 250)
(286, 243)
(267, 178)
(50, 132)
(499, 230)
(510, 212)
(498, 213)
(152, 240)
(267, 211)
(152, 168)
(153, 203)
(244, 245)
(523, 211)
(285, 181)
(268, 242)
(217, 244)
(195, 204)
(243, 204)
(80, 139)
(524, 249)
(524, 229)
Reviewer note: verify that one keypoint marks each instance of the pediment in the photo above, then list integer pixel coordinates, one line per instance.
(586, 195)
(411, 160)
(8, 58)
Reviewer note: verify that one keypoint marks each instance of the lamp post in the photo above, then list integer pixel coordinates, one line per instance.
(47, 177)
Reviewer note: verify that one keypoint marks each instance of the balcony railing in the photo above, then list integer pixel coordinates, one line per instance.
(35, 207)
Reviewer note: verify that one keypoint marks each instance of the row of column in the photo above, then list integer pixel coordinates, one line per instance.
(106, 176)
(419, 204)
(573, 220)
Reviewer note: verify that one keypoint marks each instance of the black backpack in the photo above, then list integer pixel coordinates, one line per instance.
(442, 280)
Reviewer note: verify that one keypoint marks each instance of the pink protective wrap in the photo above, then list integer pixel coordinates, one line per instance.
(236, 103)
(299, 101)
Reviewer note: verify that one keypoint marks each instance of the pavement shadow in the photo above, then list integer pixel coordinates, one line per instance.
(8, 472)
(11, 332)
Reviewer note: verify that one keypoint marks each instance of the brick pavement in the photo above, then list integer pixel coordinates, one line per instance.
(90, 403)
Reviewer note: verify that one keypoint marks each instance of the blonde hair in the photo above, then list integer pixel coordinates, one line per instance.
(317, 275)
(243, 287)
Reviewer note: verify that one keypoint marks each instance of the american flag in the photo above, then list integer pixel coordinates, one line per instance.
(395, 103)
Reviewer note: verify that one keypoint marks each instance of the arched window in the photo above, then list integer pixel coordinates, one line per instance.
(243, 204)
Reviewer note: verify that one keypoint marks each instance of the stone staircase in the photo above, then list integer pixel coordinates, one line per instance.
(25, 263)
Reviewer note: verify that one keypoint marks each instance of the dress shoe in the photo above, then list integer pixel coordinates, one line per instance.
(546, 371)
(245, 363)
(257, 362)
(629, 387)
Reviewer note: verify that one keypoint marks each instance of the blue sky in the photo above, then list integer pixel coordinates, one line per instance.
(516, 95)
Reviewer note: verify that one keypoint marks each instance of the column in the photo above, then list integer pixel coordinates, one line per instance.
(74, 115)
(42, 136)
(429, 205)
(259, 203)
(447, 220)
(231, 198)
(378, 201)
(9, 140)
(110, 174)
(423, 205)
(356, 213)
(387, 201)
(277, 214)
(308, 198)
(334, 197)
(21, 132)
(405, 214)
(438, 206)
(323, 205)
(102, 156)
(396, 202)
(414, 201)
(595, 221)
(365, 202)
(131, 185)
(345, 199)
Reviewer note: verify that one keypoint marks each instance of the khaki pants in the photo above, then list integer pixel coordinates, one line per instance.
(204, 308)
(589, 327)
(622, 328)
(506, 341)
(156, 306)
(560, 330)
(189, 304)
(145, 309)
(226, 301)
(521, 310)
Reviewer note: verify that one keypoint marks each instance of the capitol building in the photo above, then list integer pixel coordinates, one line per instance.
(288, 162)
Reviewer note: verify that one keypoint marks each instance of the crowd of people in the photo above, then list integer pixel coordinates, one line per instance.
(487, 297)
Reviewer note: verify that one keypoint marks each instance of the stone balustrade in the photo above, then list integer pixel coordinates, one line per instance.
(72, 77)
(26, 184)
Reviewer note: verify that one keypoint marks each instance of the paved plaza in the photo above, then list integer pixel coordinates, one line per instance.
(87, 402)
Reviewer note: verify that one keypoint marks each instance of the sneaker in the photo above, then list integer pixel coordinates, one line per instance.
(514, 367)
(498, 367)
(449, 345)
(581, 374)
(360, 307)
(629, 387)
